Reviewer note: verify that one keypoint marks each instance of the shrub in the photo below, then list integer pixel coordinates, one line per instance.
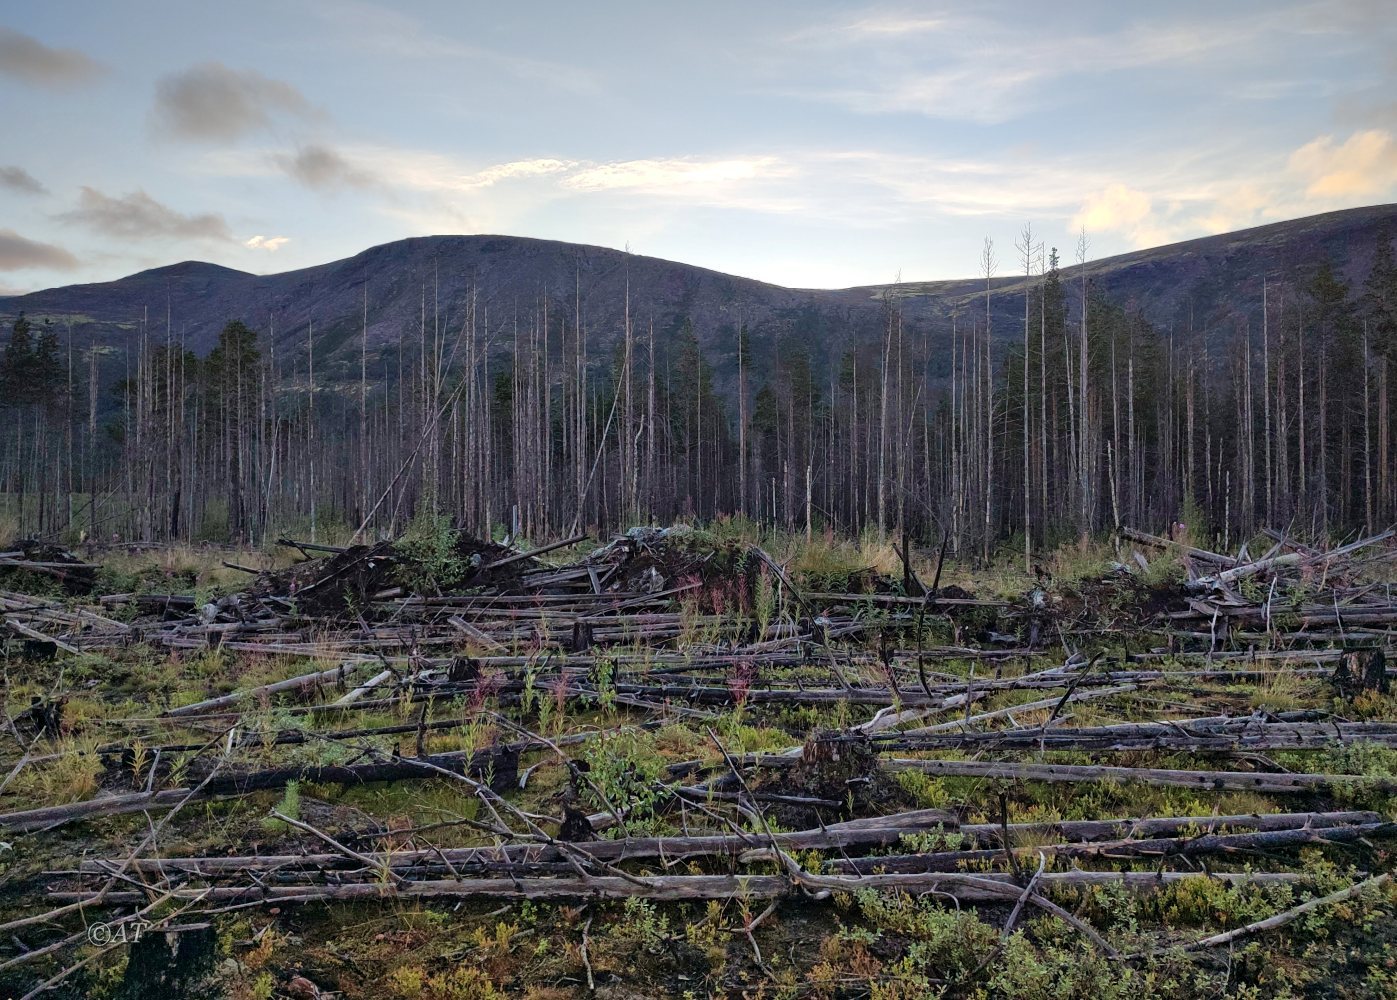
(430, 561)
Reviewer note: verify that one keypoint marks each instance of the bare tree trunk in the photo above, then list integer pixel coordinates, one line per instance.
(1367, 441)
(1270, 513)
(741, 412)
(883, 417)
(1084, 424)
(1026, 251)
(988, 264)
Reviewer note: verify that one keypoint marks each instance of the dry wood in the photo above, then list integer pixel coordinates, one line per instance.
(988, 886)
(1161, 847)
(334, 674)
(1243, 734)
(1209, 780)
(1291, 915)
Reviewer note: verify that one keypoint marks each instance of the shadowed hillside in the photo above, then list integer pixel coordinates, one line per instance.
(395, 285)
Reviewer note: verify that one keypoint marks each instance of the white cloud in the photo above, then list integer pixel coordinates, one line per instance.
(271, 244)
(882, 24)
(1114, 208)
(514, 170)
(1362, 166)
(668, 176)
(390, 175)
(997, 65)
(1224, 196)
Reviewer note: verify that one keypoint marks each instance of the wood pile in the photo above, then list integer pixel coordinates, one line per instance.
(654, 630)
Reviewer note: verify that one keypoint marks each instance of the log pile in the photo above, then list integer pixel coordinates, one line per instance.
(656, 630)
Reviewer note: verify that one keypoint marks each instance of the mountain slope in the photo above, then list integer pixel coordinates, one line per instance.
(1206, 281)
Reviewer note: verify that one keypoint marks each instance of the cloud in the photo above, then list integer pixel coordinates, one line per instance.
(401, 36)
(21, 180)
(994, 67)
(323, 168)
(271, 244)
(1231, 193)
(25, 58)
(893, 24)
(18, 253)
(138, 216)
(402, 172)
(213, 102)
(516, 169)
(1115, 208)
(1363, 166)
(671, 175)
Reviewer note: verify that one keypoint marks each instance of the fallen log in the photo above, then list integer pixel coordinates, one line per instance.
(1203, 555)
(1161, 847)
(1029, 706)
(20, 628)
(221, 784)
(311, 546)
(1245, 734)
(1156, 826)
(874, 831)
(980, 887)
(290, 684)
(1291, 915)
(1163, 777)
(521, 556)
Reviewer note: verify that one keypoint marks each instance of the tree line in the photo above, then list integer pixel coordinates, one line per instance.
(1086, 418)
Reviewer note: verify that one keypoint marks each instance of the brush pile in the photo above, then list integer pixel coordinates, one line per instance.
(672, 718)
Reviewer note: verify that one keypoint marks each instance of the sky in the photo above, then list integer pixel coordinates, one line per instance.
(808, 144)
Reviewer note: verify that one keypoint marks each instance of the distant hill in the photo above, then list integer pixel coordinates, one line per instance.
(1211, 279)
(1216, 277)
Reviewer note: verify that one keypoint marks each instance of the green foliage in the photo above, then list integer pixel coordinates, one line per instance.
(31, 371)
(926, 791)
(463, 982)
(429, 559)
(764, 600)
(624, 769)
(643, 923)
(942, 942)
(1371, 760)
(289, 806)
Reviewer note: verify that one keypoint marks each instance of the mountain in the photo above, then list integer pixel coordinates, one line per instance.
(1208, 282)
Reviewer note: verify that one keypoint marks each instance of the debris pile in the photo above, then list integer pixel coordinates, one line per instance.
(734, 737)
(32, 556)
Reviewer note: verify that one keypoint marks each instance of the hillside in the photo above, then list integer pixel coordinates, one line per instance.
(1205, 281)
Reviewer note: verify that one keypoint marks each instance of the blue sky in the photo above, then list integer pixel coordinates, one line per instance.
(809, 144)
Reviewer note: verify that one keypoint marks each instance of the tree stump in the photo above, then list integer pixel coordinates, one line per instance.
(1361, 670)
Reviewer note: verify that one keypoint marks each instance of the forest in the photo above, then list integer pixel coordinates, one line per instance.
(1087, 418)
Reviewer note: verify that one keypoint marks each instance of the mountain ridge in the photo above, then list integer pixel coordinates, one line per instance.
(1199, 281)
